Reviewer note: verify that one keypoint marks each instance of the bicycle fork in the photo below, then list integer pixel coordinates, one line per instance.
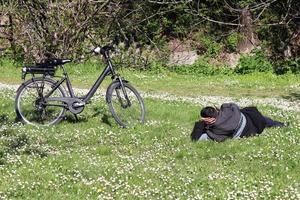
(128, 104)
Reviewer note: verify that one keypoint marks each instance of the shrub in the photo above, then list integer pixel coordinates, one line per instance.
(2, 161)
(213, 48)
(202, 66)
(284, 66)
(232, 41)
(157, 67)
(295, 65)
(256, 62)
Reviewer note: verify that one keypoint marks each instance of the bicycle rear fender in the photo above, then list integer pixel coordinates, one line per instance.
(26, 82)
(110, 88)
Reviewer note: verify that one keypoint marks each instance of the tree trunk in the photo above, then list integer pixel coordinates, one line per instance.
(11, 35)
(250, 39)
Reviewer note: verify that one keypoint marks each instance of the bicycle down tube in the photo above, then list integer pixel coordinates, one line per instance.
(108, 69)
(94, 88)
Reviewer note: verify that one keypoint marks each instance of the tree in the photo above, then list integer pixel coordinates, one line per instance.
(276, 22)
(47, 29)
(67, 28)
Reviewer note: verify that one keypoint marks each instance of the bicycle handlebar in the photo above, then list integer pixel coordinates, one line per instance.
(106, 48)
(103, 50)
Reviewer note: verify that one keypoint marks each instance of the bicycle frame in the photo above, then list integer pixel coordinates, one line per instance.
(107, 70)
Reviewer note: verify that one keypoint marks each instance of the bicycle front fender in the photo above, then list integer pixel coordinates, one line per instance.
(110, 87)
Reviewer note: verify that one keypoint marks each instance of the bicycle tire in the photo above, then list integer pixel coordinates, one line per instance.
(27, 110)
(125, 116)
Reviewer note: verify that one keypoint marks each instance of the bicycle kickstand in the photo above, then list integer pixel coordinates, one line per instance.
(76, 117)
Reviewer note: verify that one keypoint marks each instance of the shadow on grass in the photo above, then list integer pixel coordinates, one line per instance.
(97, 112)
(70, 118)
(105, 117)
(292, 97)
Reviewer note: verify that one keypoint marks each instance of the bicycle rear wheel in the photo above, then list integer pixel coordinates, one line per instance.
(126, 106)
(30, 104)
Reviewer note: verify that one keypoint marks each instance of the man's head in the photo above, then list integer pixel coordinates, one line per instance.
(209, 114)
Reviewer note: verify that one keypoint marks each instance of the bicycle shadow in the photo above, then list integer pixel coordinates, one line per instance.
(105, 118)
(99, 112)
(70, 118)
(292, 96)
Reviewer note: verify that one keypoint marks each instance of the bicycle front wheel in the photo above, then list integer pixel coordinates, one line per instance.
(30, 104)
(125, 104)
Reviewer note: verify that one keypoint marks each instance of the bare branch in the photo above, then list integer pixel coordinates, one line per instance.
(162, 2)
(215, 21)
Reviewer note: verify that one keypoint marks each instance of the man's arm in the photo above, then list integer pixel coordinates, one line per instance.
(198, 130)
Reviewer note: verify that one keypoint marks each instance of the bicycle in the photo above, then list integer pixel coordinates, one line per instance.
(43, 100)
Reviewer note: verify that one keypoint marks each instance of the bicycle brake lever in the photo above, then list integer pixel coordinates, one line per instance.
(97, 50)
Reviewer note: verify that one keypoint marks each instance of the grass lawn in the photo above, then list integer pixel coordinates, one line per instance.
(95, 159)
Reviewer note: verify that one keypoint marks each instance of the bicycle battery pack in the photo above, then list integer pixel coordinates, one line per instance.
(43, 68)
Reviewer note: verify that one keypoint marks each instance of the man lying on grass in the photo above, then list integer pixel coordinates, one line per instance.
(230, 122)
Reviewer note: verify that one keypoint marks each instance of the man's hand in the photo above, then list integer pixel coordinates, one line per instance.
(209, 120)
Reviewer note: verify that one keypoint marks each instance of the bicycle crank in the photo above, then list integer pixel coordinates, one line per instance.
(75, 105)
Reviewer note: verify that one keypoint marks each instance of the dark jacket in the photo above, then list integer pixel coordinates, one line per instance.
(255, 125)
(227, 121)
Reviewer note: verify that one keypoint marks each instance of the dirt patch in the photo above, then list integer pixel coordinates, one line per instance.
(181, 53)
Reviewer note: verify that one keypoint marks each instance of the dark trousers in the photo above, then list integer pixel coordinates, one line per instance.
(273, 123)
